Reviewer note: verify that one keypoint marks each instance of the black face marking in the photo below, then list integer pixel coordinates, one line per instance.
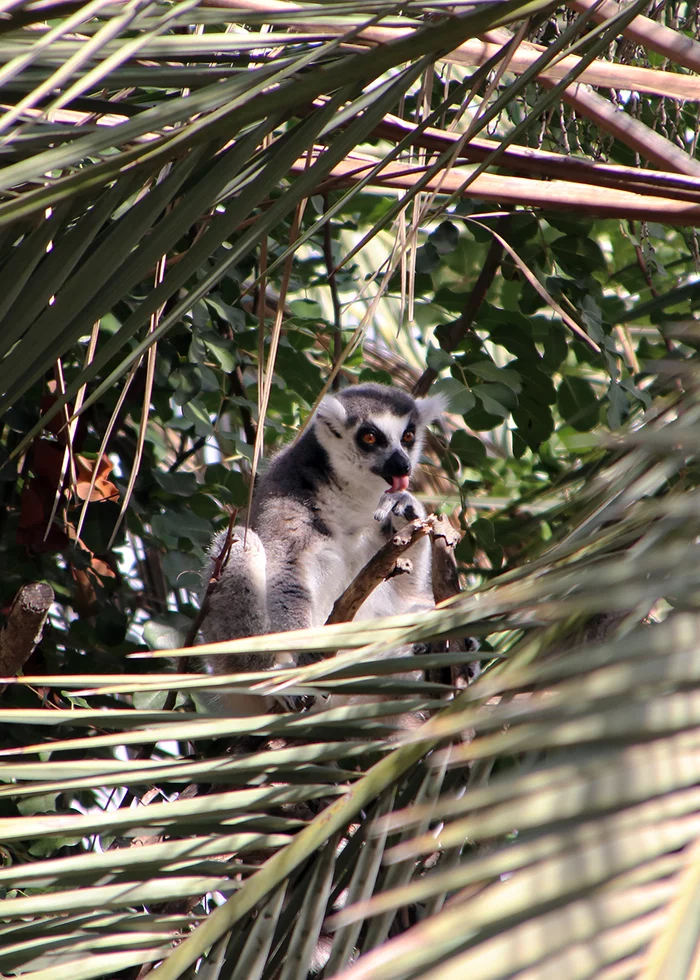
(398, 464)
(369, 438)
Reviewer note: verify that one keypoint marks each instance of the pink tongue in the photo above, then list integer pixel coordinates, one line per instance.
(398, 483)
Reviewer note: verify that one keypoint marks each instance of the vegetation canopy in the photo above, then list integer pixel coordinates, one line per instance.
(211, 213)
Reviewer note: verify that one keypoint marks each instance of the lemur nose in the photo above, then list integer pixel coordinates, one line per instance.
(398, 464)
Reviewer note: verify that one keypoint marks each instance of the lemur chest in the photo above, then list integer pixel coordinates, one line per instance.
(351, 538)
(334, 565)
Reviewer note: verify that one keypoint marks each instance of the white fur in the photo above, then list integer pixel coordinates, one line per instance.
(332, 410)
(432, 407)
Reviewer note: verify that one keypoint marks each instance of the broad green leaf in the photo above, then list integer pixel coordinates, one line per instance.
(577, 403)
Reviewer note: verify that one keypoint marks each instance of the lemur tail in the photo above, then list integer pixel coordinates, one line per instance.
(236, 607)
(237, 604)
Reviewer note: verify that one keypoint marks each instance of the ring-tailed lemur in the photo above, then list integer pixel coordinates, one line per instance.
(324, 507)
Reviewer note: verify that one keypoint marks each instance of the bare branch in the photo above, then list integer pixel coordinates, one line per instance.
(444, 538)
(544, 163)
(24, 626)
(477, 50)
(635, 134)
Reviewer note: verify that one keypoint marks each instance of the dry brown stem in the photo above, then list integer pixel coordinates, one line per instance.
(648, 34)
(555, 195)
(444, 538)
(476, 51)
(544, 163)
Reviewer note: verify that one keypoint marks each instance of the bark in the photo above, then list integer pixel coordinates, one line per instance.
(24, 626)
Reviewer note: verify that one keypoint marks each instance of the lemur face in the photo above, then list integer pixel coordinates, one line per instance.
(374, 434)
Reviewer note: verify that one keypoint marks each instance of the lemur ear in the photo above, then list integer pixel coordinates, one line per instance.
(331, 411)
(431, 408)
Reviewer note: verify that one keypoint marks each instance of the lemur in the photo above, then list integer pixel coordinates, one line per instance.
(325, 506)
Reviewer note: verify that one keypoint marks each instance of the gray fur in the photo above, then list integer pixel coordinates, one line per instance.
(320, 512)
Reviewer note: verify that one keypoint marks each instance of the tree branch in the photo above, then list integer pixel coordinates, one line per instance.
(383, 565)
(444, 538)
(24, 626)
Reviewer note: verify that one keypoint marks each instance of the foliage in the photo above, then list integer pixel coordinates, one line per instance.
(208, 215)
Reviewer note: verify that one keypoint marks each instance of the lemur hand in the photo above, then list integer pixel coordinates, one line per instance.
(398, 509)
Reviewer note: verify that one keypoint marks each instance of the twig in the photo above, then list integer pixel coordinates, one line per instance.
(183, 456)
(648, 34)
(635, 134)
(220, 563)
(24, 626)
(335, 298)
(238, 388)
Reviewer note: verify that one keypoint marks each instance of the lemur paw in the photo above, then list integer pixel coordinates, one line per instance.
(398, 509)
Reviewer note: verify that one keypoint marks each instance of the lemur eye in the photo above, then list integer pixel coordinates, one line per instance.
(408, 437)
(368, 438)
